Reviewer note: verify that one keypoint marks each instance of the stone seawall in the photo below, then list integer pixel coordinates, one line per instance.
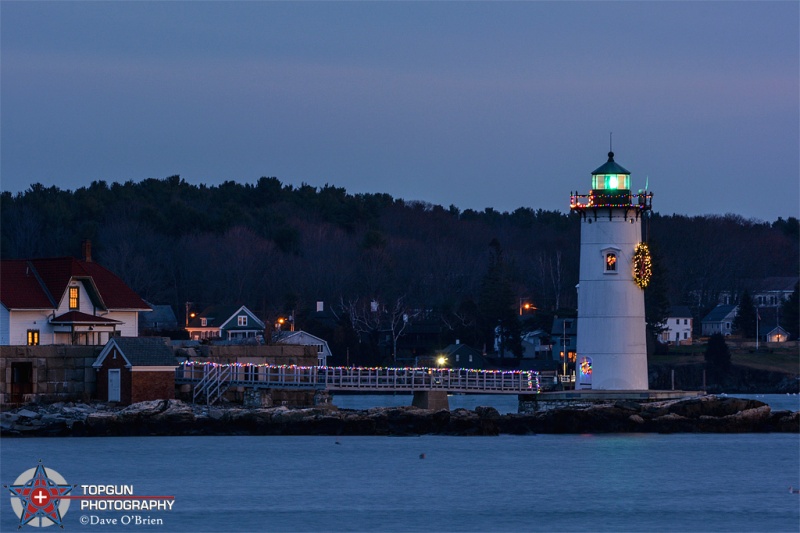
(708, 414)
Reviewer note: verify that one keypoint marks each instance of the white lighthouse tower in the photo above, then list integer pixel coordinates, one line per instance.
(614, 269)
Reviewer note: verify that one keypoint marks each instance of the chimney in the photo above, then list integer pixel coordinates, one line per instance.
(87, 250)
(320, 307)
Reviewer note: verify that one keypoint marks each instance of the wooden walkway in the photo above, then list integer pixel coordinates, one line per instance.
(211, 379)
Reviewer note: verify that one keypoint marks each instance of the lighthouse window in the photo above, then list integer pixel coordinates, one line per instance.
(611, 262)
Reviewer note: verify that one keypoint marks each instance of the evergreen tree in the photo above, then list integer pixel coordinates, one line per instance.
(656, 302)
(745, 322)
(498, 306)
(717, 357)
(790, 314)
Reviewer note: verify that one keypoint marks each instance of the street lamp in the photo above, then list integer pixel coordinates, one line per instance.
(441, 361)
(525, 306)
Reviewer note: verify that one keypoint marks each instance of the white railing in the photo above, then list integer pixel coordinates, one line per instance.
(367, 379)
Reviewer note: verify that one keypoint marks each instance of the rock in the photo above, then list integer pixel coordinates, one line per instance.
(489, 413)
(144, 409)
(628, 405)
(27, 413)
(708, 414)
(177, 413)
(8, 418)
(636, 419)
(101, 422)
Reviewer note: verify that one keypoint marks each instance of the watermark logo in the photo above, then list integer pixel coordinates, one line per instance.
(39, 497)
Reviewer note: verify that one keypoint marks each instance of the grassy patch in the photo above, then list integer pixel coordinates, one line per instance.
(774, 362)
(786, 361)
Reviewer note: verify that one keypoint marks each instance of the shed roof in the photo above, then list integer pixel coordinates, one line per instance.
(719, 313)
(140, 351)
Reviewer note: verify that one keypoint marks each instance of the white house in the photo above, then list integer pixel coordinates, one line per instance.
(719, 320)
(769, 333)
(303, 338)
(678, 327)
(537, 345)
(225, 323)
(65, 301)
(766, 292)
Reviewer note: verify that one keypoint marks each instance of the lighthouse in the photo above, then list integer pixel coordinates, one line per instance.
(614, 270)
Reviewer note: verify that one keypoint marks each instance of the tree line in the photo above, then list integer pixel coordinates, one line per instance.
(279, 249)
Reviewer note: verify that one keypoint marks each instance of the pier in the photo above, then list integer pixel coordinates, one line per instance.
(209, 381)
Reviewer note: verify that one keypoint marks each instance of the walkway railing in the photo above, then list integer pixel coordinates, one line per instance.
(213, 384)
(360, 378)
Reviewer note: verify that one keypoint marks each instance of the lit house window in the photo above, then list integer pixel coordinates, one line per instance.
(33, 337)
(242, 320)
(611, 262)
(74, 298)
(203, 322)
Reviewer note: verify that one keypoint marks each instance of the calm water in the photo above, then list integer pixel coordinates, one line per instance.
(631, 482)
(507, 403)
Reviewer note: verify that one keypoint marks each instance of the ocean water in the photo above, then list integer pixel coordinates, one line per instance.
(508, 403)
(548, 483)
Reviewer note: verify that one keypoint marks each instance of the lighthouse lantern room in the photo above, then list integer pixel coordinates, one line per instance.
(614, 270)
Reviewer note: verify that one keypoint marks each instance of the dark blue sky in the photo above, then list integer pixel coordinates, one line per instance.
(475, 104)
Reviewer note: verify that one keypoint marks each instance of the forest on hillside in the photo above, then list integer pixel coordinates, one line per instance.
(279, 249)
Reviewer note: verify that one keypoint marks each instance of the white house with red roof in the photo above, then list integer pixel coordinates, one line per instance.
(64, 301)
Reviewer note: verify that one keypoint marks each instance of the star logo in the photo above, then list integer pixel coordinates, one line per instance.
(37, 497)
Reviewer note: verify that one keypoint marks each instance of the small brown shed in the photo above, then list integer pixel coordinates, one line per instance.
(136, 369)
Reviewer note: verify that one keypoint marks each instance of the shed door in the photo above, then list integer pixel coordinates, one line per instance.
(113, 385)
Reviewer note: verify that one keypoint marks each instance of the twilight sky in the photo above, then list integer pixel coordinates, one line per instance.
(475, 104)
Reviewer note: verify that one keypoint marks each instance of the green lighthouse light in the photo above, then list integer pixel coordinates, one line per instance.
(611, 177)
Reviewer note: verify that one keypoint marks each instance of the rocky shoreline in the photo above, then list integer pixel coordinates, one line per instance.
(707, 414)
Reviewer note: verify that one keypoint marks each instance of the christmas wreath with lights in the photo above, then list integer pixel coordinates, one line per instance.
(642, 267)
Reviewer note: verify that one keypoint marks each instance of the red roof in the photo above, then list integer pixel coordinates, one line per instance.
(41, 283)
(19, 288)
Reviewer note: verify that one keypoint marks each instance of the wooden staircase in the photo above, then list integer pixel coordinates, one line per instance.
(216, 380)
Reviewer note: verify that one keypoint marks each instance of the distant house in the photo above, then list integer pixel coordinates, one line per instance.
(159, 318)
(719, 320)
(769, 328)
(765, 292)
(678, 326)
(303, 338)
(772, 333)
(136, 369)
(65, 301)
(537, 345)
(225, 323)
(564, 335)
(457, 356)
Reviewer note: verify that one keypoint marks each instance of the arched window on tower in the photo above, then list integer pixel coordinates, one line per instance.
(611, 262)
